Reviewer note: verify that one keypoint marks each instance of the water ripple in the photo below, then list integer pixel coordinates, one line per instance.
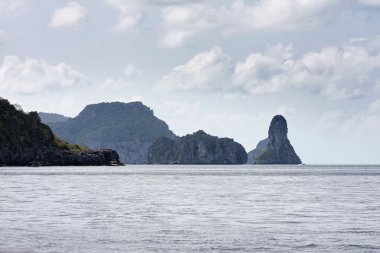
(190, 209)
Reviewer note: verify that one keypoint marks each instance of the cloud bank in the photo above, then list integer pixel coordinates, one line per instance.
(348, 71)
(31, 76)
(70, 15)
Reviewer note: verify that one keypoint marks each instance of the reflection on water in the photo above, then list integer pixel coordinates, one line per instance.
(190, 209)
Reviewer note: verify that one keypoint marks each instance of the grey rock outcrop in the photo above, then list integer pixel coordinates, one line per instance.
(276, 149)
(128, 128)
(90, 157)
(261, 147)
(51, 156)
(197, 148)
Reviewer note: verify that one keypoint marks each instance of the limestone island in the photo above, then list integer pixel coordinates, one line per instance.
(196, 148)
(276, 149)
(25, 141)
(128, 128)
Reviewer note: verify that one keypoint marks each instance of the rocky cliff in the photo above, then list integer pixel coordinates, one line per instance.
(129, 128)
(24, 140)
(197, 148)
(276, 149)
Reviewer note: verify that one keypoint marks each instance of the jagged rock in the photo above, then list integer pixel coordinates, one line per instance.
(24, 141)
(276, 149)
(197, 148)
(129, 128)
(91, 157)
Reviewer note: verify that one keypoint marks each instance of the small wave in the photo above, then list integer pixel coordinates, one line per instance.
(307, 246)
(361, 246)
(15, 251)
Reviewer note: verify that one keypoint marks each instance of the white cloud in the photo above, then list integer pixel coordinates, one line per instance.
(31, 75)
(11, 7)
(365, 122)
(374, 107)
(348, 122)
(329, 119)
(3, 35)
(131, 71)
(66, 104)
(205, 71)
(183, 22)
(136, 98)
(118, 84)
(289, 14)
(370, 2)
(175, 15)
(266, 72)
(156, 2)
(181, 114)
(175, 38)
(72, 14)
(130, 13)
(7, 6)
(334, 72)
(362, 123)
(285, 110)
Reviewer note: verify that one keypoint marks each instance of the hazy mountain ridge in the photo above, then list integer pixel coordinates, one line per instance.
(52, 117)
(129, 128)
(261, 147)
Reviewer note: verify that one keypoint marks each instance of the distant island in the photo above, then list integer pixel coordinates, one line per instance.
(276, 149)
(25, 141)
(129, 131)
(128, 128)
(197, 148)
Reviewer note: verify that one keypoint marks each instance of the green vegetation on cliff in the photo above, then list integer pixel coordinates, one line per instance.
(21, 129)
(64, 145)
(24, 139)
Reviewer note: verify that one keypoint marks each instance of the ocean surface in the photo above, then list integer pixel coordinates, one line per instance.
(190, 209)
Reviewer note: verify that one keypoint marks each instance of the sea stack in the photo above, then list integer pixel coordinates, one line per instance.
(276, 149)
(197, 148)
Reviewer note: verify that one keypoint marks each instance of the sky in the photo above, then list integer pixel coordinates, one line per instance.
(224, 66)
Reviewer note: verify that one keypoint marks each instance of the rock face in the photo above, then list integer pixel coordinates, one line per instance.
(51, 117)
(129, 128)
(259, 150)
(90, 157)
(276, 149)
(24, 140)
(197, 148)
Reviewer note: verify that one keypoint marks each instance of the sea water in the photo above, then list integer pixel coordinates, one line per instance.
(190, 209)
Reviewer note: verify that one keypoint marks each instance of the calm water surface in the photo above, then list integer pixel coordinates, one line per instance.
(190, 209)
